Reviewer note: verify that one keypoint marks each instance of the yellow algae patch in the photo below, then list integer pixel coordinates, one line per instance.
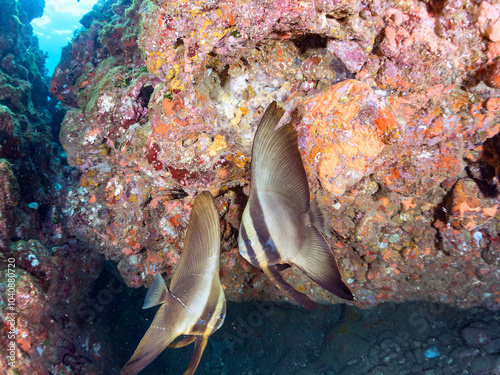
(222, 34)
(238, 159)
(239, 114)
(218, 145)
(177, 85)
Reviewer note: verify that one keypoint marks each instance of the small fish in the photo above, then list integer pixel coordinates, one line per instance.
(280, 225)
(195, 305)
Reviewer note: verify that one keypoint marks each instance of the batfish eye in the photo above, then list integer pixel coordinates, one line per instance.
(248, 242)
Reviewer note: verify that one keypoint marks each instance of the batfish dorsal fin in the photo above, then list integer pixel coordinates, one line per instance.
(157, 292)
(199, 346)
(276, 162)
(290, 291)
(199, 262)
(318, 262)
(156, 339)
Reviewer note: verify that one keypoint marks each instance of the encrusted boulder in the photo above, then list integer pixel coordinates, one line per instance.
(396, 109)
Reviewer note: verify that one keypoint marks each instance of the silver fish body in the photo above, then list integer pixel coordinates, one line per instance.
(195, 305)
(279, 224)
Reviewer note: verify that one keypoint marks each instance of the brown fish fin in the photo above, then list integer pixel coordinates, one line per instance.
(182, 342)
(200, 258)
(157, 292)
(319, 218)
(316, 259)
(282, 266)
(300, 298)
(199, 346)
(156, 339)
(276, 162)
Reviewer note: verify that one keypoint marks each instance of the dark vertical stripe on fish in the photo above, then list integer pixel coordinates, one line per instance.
(248, 246)
(259, 223)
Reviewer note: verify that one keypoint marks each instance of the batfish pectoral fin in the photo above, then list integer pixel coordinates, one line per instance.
(182, 342)
(300, 298)
(156, 339)
(270, 246)
(157, 292)
(200, 343)
(316, 259)
(319, 219)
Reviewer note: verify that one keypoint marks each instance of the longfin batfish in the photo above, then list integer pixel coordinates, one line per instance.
(195, 305)
(280, 224)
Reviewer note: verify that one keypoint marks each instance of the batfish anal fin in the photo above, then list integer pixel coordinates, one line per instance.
(199, 346)
(156, 339)
(316, 259)
(157, 292)
(199, 262)
(318, 217)
(182, 342)
(300, 298)
(276, 162)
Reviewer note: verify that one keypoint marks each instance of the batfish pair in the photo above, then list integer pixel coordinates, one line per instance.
(195, 305)
(279, 226)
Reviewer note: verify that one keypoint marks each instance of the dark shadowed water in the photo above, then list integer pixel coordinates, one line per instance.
(267, 338)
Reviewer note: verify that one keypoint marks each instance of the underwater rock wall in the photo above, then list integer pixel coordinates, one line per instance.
(397, 110)
(46, 273)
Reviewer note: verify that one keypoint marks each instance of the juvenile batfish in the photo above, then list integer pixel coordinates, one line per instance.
(195, 305)
(279, 224)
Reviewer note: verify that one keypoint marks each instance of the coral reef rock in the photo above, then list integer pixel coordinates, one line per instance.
(47, 273)
(395, 104)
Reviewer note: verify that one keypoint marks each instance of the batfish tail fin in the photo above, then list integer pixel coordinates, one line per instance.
(319, 219)
(300, 298)
(157, 292)
(156, 339)
(199, 346)
(318, 262)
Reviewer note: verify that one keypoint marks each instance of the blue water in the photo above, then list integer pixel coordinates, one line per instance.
(56, 27)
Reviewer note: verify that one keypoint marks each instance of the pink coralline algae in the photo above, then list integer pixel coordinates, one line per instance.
(395, 105)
